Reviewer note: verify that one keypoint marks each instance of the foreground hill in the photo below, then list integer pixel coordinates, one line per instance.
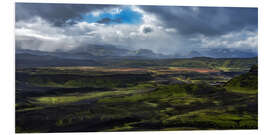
(247, 83)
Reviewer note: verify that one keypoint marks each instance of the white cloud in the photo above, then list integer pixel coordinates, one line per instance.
(96, 13)
(237, 40)
(171, 30)
(115, 11)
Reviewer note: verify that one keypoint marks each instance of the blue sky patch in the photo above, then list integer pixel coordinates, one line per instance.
(126, 16)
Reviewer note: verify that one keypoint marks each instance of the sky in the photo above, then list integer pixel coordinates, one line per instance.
(162, 29)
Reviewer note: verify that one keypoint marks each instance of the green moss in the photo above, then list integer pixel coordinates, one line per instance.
(242, 90)
(30, 109)
(211, 118)
(126, 99)
(76, 97)
(245, 83)
(159, 94)
(249, 124)
(125, 127)
(151, 104)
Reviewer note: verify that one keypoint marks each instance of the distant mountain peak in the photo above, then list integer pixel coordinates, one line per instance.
(194, 53)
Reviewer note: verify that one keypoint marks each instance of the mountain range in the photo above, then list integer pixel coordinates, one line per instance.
(96, 54)
(223, 53)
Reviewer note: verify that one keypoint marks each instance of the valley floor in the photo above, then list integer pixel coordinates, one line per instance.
(85, 99)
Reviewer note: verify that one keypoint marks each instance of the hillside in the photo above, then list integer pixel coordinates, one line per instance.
(247, 82)
(92, 99)
(26, 58)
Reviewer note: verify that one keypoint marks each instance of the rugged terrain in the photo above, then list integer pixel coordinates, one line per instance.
(139, 95)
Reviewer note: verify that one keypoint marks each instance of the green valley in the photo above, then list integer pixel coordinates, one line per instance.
(139, 98)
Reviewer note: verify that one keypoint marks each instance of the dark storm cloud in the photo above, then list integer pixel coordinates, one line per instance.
(208, 21)
(105, 20)
(57, 14)
(109, 20)
(147, 30)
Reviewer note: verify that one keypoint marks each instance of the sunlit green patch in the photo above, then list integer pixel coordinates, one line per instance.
(30, 109)
(125, 99)
(186, 80)
(227, 69)
(125, 127)
(212, 118)
(75, 97)
(242, 90)
(140, 86)
(186, 100)
(159, 94)
(151, 104)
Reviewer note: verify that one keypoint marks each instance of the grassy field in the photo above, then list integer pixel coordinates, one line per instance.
(143, 98)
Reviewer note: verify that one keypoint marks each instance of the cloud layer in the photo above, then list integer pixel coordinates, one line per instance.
(167, 30)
